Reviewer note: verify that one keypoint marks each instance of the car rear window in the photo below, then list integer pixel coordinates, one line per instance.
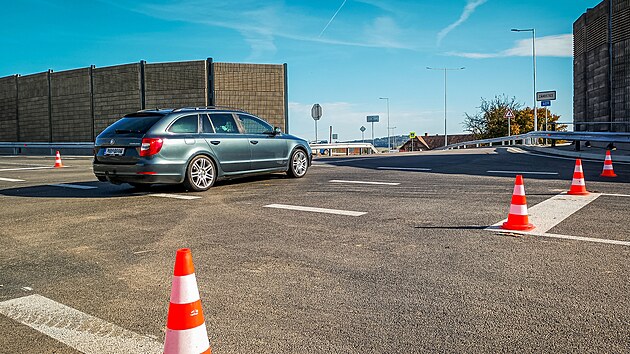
(133, 125)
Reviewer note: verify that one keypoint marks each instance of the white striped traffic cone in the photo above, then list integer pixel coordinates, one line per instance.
(58, 160)
(185, 327)
(578, 185)
(608, 167)
(517, 217)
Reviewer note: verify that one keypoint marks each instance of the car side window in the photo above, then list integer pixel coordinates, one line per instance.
(206, 126)
(254, 125)
(186, 125)
(224, 123)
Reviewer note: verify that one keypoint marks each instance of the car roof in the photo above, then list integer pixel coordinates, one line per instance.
(165, 111)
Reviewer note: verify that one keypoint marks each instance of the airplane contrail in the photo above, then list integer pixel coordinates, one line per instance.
(332, 18)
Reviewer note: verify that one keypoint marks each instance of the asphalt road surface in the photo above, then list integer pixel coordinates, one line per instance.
(399, 262)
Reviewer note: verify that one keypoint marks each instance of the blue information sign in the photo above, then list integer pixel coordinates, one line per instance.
(545, 103)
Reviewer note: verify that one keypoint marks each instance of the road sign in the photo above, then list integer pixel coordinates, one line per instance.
(545, 103)
(412, 135)
(372, 119)
(335, 136)
(509, 114)
(362, 129)
(316, 111)
(545, 95)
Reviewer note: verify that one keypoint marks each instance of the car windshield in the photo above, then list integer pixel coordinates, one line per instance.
(135, 125)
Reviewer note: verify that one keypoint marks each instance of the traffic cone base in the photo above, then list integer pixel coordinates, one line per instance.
(608, 166)
(517, 217)
(578, 185)
(58, 163)
(179, 341)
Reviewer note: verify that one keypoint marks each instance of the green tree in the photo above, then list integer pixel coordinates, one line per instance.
(490, 121)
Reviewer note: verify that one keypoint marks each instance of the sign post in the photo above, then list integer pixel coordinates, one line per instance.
(412, 137)
(546, 97)
(362, 129)
(316, 113)
(509, 115)
(372, 119)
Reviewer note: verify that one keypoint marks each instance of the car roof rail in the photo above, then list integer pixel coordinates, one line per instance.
(209, 107)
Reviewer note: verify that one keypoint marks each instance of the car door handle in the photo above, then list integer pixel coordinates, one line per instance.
(215, 142)
(254, 142)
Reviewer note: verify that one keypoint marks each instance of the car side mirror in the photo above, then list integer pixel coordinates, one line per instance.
(277, 131)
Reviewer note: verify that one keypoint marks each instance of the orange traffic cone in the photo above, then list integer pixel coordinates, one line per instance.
(58, 161)
(185, 327)
(517, 218)
(578, 185)
(608, 168)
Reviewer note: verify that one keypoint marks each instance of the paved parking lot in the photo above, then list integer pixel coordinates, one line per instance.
(395, 258)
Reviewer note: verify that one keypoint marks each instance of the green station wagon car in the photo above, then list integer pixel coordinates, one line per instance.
(194, 146)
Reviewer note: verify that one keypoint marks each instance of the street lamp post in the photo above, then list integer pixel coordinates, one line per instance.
(445, 70)
(388, 139)
(533, 31)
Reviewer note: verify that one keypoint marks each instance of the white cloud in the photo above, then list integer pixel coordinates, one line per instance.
(549, 46)
(469, 9)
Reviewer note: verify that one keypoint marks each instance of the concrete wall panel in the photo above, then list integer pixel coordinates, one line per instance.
(175, 85)
(33, 108)
(71, 106)
(8, 109)
(116, 93)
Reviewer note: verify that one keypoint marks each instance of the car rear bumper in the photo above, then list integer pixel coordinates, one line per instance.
(140, 173)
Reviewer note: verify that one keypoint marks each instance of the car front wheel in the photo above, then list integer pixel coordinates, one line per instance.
(298, 165)
(200, 174)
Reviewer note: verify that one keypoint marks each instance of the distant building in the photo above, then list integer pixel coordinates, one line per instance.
(430, 142)
(601, 68)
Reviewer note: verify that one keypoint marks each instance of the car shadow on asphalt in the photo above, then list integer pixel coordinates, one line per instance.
(93, 189)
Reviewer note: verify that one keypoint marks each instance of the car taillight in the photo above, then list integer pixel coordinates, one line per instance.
(150, 146)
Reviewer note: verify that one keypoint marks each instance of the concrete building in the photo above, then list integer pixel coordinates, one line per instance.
(76, 105)
(601, 68)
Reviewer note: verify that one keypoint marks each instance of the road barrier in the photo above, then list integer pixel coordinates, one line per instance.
(329, 148)
(553, 135)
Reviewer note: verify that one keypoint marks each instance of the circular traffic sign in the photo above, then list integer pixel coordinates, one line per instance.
(316, 111)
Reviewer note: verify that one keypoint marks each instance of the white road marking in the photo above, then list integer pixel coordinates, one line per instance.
(316, 210)
(174, 196)
(364, 182)
(524, 172)
(74, 186)
(322, 165)
(23, 164)
(404, 168)
(551, 212)
(26, 168)
(516, 150)
(615, 195)
(11, 180)
(83, 332)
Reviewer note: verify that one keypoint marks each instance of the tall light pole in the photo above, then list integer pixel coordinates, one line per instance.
(388, 140)
(533, 31)
(445, 70)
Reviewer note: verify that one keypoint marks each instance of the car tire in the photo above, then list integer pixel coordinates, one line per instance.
(201, 174)
(298, 164)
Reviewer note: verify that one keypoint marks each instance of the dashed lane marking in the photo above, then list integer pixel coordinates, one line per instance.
(174, 196)
(25, 168)
(11, 179)
(83, 332)
(316, 210)
(524, 172)
(587, 239)
(364, 182)
(404, 168)
(74, 186)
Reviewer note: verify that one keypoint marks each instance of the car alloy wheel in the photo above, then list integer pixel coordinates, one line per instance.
(201, 174)
(299, 164)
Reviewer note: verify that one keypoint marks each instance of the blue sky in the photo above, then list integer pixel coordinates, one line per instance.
(341, 54)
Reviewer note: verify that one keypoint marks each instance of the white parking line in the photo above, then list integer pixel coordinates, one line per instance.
(404, 168)
(11, 180)
(316, 210)
(524, 172)
(174, 196)
(83, 332)
(364, 182)
(25, 168)
(615, 195)
(74, 186)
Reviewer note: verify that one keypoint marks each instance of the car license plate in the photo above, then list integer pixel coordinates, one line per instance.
(114, 151)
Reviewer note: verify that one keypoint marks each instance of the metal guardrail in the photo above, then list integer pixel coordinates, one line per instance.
(53, 146)
(344, 146)
(553, 135)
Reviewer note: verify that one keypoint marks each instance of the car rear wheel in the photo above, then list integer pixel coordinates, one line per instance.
(200, 174)
(298, 165)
